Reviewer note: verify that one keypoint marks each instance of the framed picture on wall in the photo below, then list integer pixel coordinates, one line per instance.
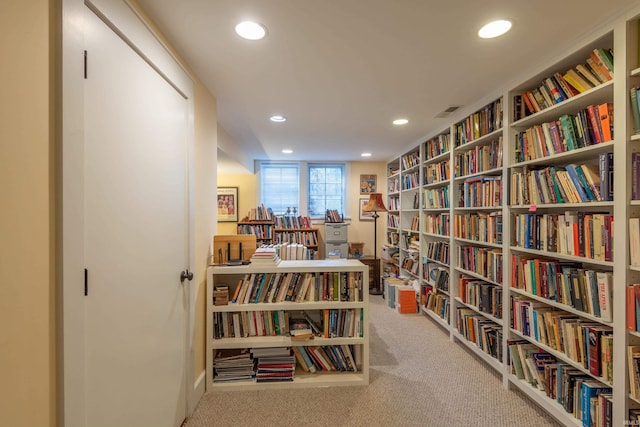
(227, 204)
(365, 216)
(368, 184)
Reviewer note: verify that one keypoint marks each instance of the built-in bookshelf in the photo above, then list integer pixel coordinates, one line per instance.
(523, 205)
(315, 312)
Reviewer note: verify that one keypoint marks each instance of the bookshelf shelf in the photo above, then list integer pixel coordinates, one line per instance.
(225, 322)
(576, 156)
(490, 361)
(476, 275)
(438, 158)
(560, 355)
(469, 138)
(480, 312)
(562, 256)
(561, 306)
(550, 405)
(439, 320)
(596, 95)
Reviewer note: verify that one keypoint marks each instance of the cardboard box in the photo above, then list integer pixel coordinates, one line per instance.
(406, 299)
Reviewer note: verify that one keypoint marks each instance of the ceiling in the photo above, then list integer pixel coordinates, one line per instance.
(342, 70)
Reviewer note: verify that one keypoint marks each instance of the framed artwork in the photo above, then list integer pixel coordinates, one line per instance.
(365, 216)
(227, 204)
(368, 184)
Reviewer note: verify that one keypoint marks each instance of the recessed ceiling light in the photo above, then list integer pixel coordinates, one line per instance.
(278, 119)
(250, 30)
(287, 151)
(400, 122)
(366, 154)
(494, 29)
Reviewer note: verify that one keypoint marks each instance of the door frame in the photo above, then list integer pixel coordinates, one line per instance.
(126, 21)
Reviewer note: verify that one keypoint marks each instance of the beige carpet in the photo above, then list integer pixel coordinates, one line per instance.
(418, 377)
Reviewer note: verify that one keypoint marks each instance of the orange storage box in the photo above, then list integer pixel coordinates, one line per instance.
(406, 299)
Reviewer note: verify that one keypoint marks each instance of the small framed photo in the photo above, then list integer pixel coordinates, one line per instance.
(227, 204)
(365, 216)
(368, 184)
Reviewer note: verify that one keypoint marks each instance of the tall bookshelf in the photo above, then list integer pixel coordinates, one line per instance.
(498, 244)
(390, 255)
(436, 226)
(337, 295)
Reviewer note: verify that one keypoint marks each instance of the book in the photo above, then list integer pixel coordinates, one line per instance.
(605, 284)
(589, 390)
(635, 109)
(634, 241)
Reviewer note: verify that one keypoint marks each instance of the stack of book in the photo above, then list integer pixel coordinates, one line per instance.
(232, 365)
(274, 364)
(265, 255)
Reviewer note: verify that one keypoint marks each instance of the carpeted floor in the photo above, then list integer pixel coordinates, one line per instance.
(418, 377)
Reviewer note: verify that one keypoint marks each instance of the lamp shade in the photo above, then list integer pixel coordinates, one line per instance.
(375, 203)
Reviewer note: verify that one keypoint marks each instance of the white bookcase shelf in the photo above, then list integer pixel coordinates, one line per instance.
(233, 276)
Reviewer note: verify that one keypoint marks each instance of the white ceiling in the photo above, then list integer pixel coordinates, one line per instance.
(342, 70)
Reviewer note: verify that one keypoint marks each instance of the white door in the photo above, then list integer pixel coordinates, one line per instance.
(135, 237)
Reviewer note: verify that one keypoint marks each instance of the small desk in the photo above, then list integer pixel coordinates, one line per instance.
(374, 271)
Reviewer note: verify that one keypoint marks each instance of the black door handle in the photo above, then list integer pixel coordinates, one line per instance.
(186, 275)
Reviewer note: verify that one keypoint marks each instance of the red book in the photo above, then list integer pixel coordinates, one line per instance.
(631, 308)
(605, 121)
(576, 239)
(595, 333)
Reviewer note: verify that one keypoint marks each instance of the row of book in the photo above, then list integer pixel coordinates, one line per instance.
(436, 275)
(488, 119)
(393, 203)
(260, 213)
(593, 125)
(567, 283)
(486, 297)
(415, 223)
(343, 358)
(410, 241)
(327, 323)
(596, 70)
(478, 159)
(261, 231)
(581, 234)
(438, 303)
(410, 263)
(411, 180)
(484, 333)
(438, 251)
(588, 400)
(393, 221)
(295, 251)
(437, 224)
(292, 221)
(480, 227)
(486, 262)
(333, 216)
(393, 185)
(573, 183)
(480, 191)
(435, 198)
(251, 324)
(306, 238)
(410, 160)
(587, 343)
(436, 172)
(278, 287)
(436, 146)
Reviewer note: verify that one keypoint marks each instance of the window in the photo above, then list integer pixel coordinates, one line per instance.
(286, 185)
(280, 186)
(326, 188)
